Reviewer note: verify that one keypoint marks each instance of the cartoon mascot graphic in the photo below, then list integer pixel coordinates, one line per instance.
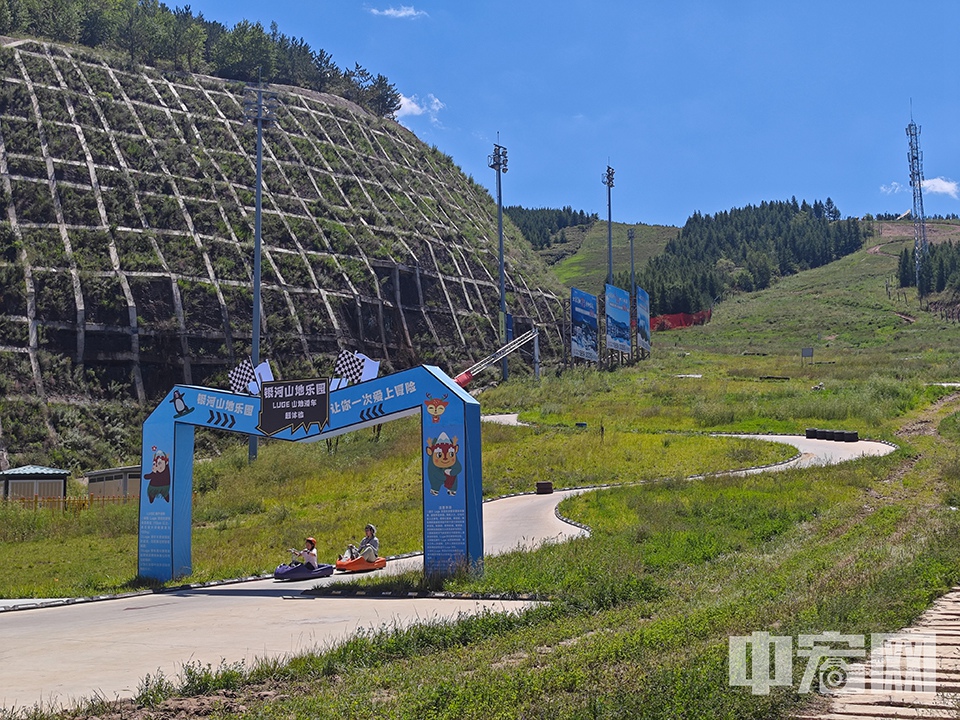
(160, 476)
(436, 406)
(444, 467)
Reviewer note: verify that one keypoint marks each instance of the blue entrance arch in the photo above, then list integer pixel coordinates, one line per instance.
(450, 450)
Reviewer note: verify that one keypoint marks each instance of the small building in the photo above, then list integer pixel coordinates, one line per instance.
(114, 482)
(32, 481)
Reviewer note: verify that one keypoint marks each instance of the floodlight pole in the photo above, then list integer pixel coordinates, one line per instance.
(259, 109)
(608, 181)
(633, 299)
(498, 161)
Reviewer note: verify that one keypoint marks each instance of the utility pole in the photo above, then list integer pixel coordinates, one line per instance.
(498, 161)
(260, 107)
(608, 181)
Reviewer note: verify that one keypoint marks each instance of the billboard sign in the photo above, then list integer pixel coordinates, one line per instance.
(583, 324)
(643, 319)
(618, 319)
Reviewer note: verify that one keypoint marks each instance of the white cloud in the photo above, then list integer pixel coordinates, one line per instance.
(413, 106)
(942, 186)
(935, 186)
(403, 12)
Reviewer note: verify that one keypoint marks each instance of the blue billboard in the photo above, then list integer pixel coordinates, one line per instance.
(643, 319)
(583, 325)
(618, 319)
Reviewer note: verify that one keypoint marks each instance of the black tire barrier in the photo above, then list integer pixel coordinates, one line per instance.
(544, 487)
(835, 435)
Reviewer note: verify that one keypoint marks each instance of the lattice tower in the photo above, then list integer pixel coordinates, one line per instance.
(920, 250)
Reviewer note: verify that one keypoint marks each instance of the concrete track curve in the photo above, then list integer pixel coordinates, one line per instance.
(60, 654)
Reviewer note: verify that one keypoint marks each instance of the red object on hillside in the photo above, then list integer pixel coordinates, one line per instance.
(680, 320)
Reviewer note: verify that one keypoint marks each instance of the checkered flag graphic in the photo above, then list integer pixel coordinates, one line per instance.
(241, 376)
(349, 367)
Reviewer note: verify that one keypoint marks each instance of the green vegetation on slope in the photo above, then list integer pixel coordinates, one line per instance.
(745, 249)
(710, 258)
(579, 255)
(940, 270)
(539, 226)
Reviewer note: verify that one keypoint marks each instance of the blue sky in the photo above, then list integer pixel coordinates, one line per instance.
(697, 105)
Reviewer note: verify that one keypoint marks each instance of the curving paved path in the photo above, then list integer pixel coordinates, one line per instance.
(59, 655)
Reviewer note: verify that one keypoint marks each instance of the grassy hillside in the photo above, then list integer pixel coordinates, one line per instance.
(849, 311)
(641, 612)
(586, 267)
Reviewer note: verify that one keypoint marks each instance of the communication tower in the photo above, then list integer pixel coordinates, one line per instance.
(920, 250)
(608, 181)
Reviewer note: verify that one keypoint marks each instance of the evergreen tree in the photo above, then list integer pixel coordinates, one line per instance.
(245, 53)
(831, 210)
(384, 98)
(940, 281)
(185, 39)
(905, 272)
(329, 78)
(99, 22)
(138, 31)
(540, 225)
(148, 31)
(746, 249)
(925, 281)
(6, 17)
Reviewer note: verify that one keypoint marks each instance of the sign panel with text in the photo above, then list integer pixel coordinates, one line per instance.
(643, 319)
(294, 405)
(618, 319)
(583, 324)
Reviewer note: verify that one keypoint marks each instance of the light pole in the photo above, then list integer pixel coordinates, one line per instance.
(259, 107)
(608, 181)
(498, 161)
(633, 298)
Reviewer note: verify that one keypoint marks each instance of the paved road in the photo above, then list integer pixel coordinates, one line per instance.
(59, 655)
(824, 452)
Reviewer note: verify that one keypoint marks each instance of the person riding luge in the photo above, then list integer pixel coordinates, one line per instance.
(368, 549)
(307, 556)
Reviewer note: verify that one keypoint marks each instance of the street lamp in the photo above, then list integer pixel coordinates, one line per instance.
(260, 107)
(633, 297)
(498, 161)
